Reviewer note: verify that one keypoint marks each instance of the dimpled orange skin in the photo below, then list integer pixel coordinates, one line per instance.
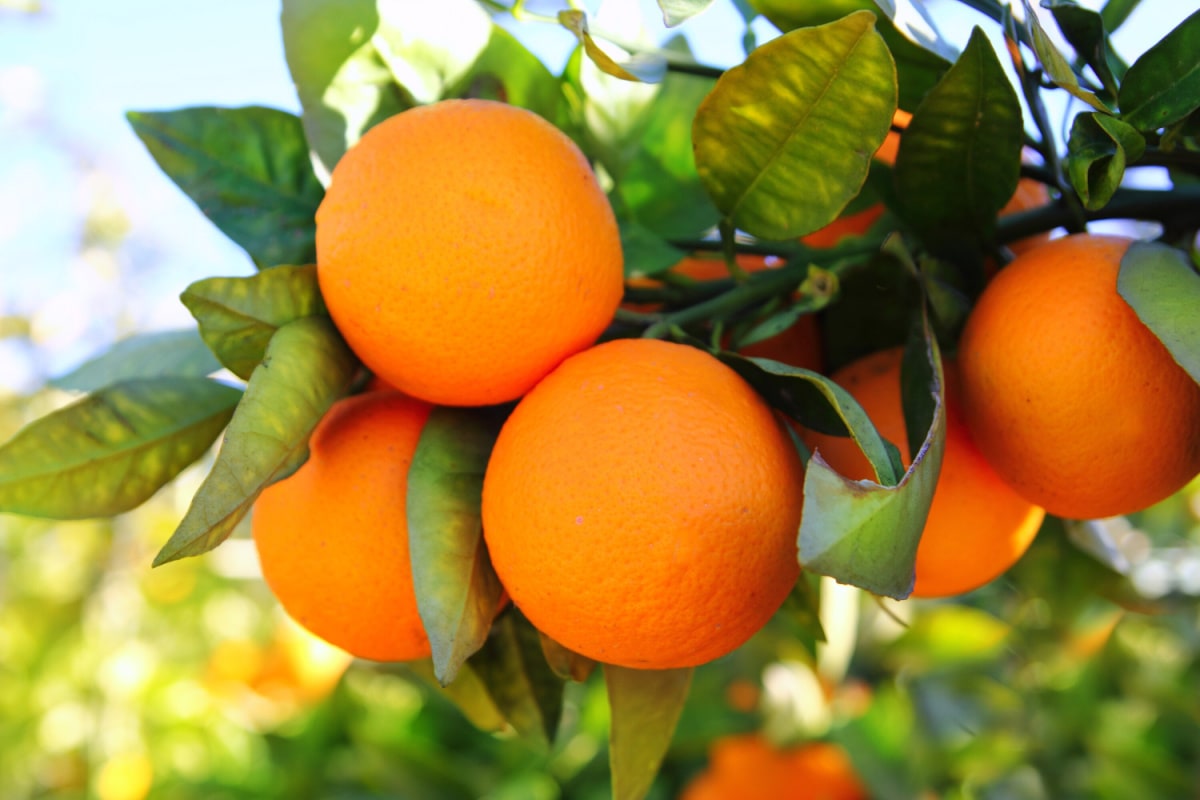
(799, 345)
(1068, 394)
(641, 506)
(977, 526)
(333, 538)
(747, 767)
(465, 248)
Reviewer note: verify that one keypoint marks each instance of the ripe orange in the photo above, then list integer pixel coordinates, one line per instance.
(641, 506)
(333, 537)
(747, 766)
(1073, 400)
(799, 345)
(465, 248)
(978, 526)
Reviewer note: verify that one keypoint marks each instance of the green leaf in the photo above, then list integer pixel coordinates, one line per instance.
(918, 69)
(180, 353)
(960, 158)
(1058, 70)
(646, 253)
(660, 187)
(343, 84)
(1163, 85)
(865, 533)
(609, 113)
(639, 68)
(1164, 290)
(646, 705)
(238, 316)
(518, 679)
(1115, 12)
(1083, 28)
(820, 404)
(110, 451)
(247, 169)
(467, 693)
(784, 141)
(676, 12)
(1099, 148)
(874, 310)
(920, 62)
(457, 590)
(522, 78)
(306, 368)
(566, 664)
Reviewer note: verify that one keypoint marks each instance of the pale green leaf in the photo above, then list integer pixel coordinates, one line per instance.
(784, 141)
(307, 367)
(110, 451)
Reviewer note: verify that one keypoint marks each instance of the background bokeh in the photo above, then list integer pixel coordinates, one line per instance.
(1075, 675)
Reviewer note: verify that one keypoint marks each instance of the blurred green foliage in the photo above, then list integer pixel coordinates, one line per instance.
(118, 682)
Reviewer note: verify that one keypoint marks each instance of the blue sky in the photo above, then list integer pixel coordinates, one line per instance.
(68, 74)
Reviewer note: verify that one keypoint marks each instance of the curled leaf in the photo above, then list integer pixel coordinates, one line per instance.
(306, 368)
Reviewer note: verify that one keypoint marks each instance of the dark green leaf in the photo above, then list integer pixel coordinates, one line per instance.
(1058, 69)
(866, 534)
(1164, 290)
(306, 368)
(641, 67)
(247, 169)
(1099, 148)
(112, 450)
(784, 141)
(1084, 30)
(918, 69)
(1163, 85)
(1115, 12)
(457, 590)
(646, 705)
(676, 12)
(146, 355)
(960, 158)
(820, 404)
(515, 673)
(343, 84)
(238, 316)
(874, 310)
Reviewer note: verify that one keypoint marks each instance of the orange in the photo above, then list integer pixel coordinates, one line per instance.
(798, 345)
(1029, 194)
(641, 506)
(747, 766)
(333, 537)
(465, 248)
(977, 526)
(1073, 400)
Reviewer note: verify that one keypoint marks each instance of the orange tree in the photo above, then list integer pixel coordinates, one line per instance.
(472, 261)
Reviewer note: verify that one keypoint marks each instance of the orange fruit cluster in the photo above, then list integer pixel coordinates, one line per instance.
(642, 501)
